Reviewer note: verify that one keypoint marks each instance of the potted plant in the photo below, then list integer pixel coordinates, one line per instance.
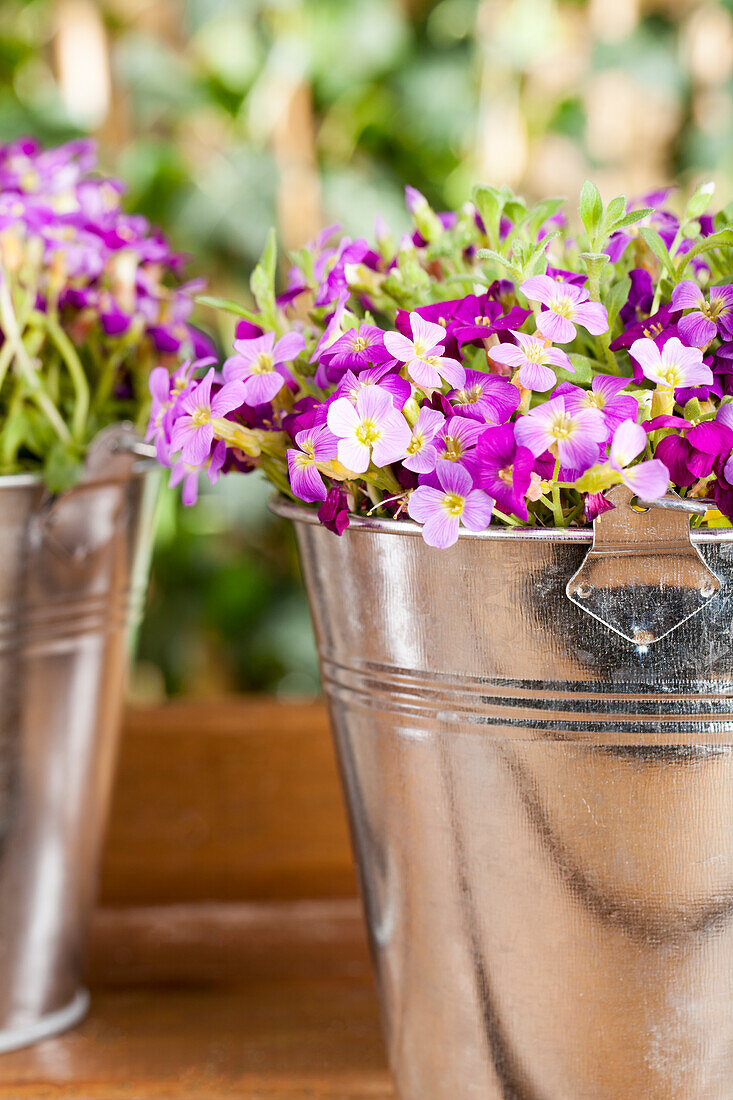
(91, 299)
(522, 430)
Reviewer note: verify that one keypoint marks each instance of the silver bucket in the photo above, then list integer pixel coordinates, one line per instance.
(72, 578)
(541, 803)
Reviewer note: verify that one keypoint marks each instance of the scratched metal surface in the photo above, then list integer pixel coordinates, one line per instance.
(542, 813)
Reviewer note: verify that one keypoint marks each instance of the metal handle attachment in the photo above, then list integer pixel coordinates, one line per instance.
(642, 578)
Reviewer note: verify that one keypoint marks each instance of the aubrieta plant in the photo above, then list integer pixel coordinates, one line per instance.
(495, 366)
(91, 299)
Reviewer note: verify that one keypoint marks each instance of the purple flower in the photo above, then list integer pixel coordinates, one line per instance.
(315, 445)
(572, 437)
(373, 430)
(358, 348)
(529, 357)
(566, 306)
(650, 479)
(479, 316)
(672, 366)
(604, 395)
(640, 299)
(189, 475)
(659, 328)
(442, 510)
(333, 282)
(334, 513)
(485, 397)
(193, 431)
(505, 469)
(456, 440)
(440, 313)
(351, 384)
(422, 455)
(423, 355)
(690, 453)
(260, 365)
(709, 316)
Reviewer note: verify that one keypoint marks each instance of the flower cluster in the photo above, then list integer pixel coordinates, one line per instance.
(496, 365)
(91, 299)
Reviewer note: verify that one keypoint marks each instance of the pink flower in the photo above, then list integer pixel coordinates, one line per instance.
(530, 358)
(422, 455)
(567, 305)
(701, 326)
(260, 365)
(315, 445)
(604, 394)
(672, 366)
(457, 438)
(649, 480)
(485, 397)
(193, 431)
(189, 475)
(573, 437)
(373, 430)
(456, 502)
(423, 354)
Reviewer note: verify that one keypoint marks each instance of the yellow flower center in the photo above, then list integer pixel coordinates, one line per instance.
(453, 504)
(563, 306)
(453, 449)
(481, 320)
(263, 364)
(535, 353)
(562, 426)
(360, 344)
(201, 416)
(415, 444)
(367, 433)
(713, 308)
(506, 474)
(595, 400)
(469, 397)
(653, 330)
(671, 375)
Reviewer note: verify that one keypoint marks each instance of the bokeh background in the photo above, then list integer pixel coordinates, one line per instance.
(226, 116)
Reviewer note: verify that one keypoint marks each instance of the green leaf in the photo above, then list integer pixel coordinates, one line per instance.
(585, 369)
(658, 247)
(616, 299)
(723, 239)
(540, 214)
(590, 207)
(489, 203)
(615, 211)
(63, 467)
(262, 281)
(228, 306)
(631, 217)
(699, 202)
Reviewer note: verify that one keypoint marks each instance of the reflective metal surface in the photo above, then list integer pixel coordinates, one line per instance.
(542, 814)
(72, 579)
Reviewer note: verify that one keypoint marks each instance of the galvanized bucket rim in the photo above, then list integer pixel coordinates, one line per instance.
(304, 514)
(29, 480)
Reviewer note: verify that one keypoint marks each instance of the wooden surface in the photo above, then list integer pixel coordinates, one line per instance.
(232, 799)
(202, 1002)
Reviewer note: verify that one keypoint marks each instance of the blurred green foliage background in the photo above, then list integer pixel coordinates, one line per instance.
(228, 115)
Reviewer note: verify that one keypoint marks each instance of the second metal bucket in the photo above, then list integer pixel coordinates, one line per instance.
(541, 802)
(73, 573)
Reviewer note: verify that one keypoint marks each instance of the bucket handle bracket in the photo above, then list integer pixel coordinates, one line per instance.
(642, 578)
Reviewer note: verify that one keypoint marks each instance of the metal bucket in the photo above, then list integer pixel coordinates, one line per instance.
(541, 803)
(72, 578)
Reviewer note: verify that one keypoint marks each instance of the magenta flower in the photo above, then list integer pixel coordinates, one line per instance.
(442, 510)
(530, 356)
(605, 395)
(572, 437)
(351, 384)
(358, 348)
(188, 476)
(709, 315)
(334, 512)
(260, 365)
(315, 445)
(423, 354)
(650, 479)
(193, 431)
(673, 365)
(457, 438)
(690, 452)
(505, 469)
(567, 305)
(485, 397)
(373, 430)
(422, 455)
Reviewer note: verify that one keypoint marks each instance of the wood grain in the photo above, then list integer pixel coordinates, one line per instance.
(234, 799)
(258, 1002)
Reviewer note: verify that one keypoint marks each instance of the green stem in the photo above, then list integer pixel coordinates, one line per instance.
(76, 370)
(556, 505)
(25, 366)
(508, 519)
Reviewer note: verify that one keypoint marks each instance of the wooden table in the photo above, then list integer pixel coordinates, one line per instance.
(206, 1001)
